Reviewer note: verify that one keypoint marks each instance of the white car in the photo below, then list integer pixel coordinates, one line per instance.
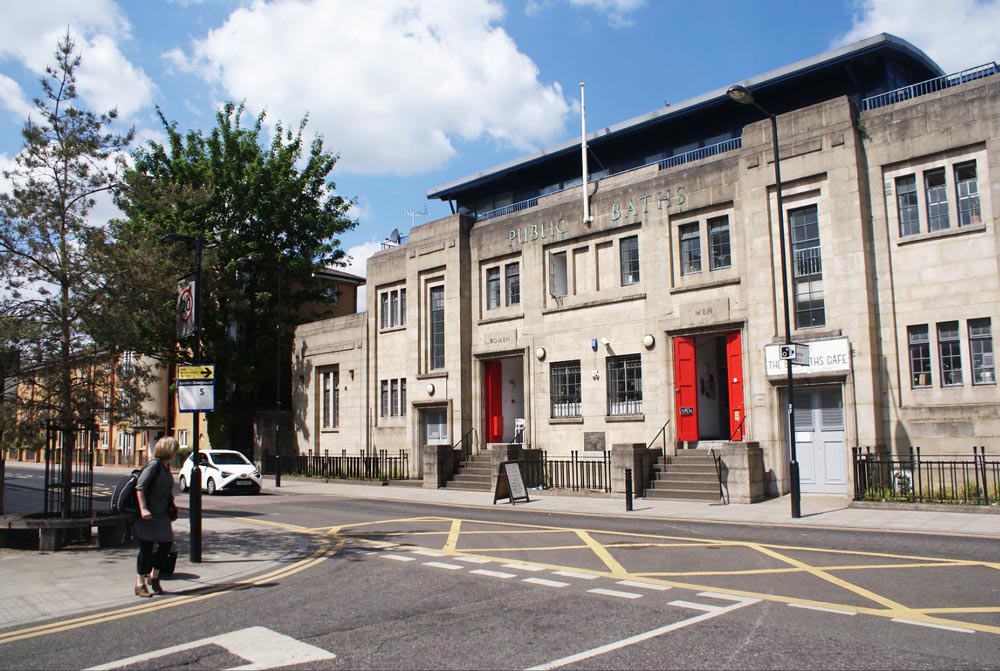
(222, 471)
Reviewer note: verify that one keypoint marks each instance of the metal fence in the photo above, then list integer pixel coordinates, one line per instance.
(69, 487)
(376, 466)
(575, 473)
(922, 478)
(929, 86)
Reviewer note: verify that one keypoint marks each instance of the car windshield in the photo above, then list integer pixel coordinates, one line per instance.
(229, 459)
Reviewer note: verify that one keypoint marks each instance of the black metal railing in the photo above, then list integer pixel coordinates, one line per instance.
(929, 86)
(922, 478)
(574, 473)
(69, 488)
(661, 433)
(374, 466)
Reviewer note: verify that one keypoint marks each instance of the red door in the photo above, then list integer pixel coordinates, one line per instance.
(734, 367)
(493, 380)
(686, 388)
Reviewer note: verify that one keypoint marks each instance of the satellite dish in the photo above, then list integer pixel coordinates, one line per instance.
(394, 236)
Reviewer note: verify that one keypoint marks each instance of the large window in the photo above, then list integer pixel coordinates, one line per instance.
(436, 327)
(690, 249)
(392, 305)
(329, 400)
(629, 251)
(807, 268)
(950, 353)
(624, 385)
(919, 342)
(510, 293)
(384, 398)
(435, 422)
(720, 254)
(981, 346)
(960, 179)
(392, 397)
(565, 389)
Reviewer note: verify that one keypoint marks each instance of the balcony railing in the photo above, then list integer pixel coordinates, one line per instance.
(679, 159)
(929, 86)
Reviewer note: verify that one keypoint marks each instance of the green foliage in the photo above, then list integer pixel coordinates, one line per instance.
(270, 202)
(55, 286)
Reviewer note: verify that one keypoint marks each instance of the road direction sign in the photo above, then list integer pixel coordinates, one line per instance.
(200, 371)
(196, 388)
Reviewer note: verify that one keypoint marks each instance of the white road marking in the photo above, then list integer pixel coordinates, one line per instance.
(639, 638)
(696, 606)
(724, 597)
(472, 560)
(644, 585)
(573, 574)
(428, 553)
(546, 583)
(823, 609)
(962, 630)
(493, 574)
(399, 557)
(524, 567)
(261, 647)
(441, 564)
(614, 592)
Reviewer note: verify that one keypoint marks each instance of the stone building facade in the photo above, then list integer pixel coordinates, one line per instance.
(658, 321)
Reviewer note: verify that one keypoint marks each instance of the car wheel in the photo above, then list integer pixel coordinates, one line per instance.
(211, 486)
(183, 484)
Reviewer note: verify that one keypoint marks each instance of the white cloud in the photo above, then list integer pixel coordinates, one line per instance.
(13, 98)
(391, 85)
(958, 34)
(617, 11)
(30, 32)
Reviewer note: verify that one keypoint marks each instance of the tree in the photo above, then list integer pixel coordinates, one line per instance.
(271, 202)
(53, 286)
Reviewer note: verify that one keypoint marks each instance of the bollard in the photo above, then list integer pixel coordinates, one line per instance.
(277, 470)
(628, 490)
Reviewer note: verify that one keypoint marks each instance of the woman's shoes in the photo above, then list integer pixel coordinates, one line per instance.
(140, 590)
(154, 584)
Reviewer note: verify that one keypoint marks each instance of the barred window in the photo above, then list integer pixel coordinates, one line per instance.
(629, 250)
(950, 352)
(918, 338)
(565, 392)
(981, 345)
(625, 385)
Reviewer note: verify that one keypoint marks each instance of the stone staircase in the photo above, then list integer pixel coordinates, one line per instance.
(473, 475)
(690, 476)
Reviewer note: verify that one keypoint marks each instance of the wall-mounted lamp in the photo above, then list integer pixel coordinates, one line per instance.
(430, 389)
(648, 341)
(540, 353)
(604, 341)
(596, 374)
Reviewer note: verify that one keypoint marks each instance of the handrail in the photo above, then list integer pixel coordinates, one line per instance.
(461, 442)
(929, 86)
(718, 473)
(738, 429)
(663, 431)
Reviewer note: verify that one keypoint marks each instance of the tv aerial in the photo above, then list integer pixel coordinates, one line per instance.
(413, 214)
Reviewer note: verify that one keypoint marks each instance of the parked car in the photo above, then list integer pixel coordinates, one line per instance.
(222, 471)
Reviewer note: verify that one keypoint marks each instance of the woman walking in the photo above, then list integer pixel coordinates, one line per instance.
(155, 491)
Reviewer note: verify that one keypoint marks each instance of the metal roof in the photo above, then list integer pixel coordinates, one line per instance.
(880, 42)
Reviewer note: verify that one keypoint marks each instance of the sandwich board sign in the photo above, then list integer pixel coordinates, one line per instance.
(196, 388)
(510, 485)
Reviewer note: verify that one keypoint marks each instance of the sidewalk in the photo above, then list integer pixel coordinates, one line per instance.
(59, 584)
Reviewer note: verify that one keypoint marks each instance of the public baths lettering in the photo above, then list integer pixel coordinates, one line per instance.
(664, 200)
(542, 231)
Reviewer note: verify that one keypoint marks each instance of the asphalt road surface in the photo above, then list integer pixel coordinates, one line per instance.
(393, 585)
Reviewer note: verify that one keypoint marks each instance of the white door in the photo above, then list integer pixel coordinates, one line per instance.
(819, 440)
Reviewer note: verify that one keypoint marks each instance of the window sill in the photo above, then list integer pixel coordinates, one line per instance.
(432, 376)
(496, 319)
(708, 284)
(625, 418)
(392, 329)
(565, 420)
(571, 302)
(937, 235)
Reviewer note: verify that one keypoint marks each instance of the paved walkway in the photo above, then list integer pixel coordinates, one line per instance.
(38, 586)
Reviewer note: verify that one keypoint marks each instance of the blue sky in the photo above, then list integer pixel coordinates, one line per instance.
(414, 94)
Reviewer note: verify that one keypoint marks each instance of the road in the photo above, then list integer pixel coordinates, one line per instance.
(393, 585)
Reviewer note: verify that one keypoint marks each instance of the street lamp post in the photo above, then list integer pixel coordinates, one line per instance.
(194, 502)
(742, 95)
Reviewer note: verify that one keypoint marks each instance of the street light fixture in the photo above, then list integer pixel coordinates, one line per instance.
(194, 505)
(744, 96)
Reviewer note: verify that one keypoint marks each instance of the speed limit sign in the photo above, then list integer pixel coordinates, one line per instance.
(185, 308)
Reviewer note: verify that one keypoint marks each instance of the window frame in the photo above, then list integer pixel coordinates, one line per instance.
(689, 247)
(982, 363)
(809, 299)
(719, 237)
(329, 397)
(565, 390)
(918, 344)
(435, 327)
(628, 256)
(949, 341)
(624, 385)
(512, 283)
